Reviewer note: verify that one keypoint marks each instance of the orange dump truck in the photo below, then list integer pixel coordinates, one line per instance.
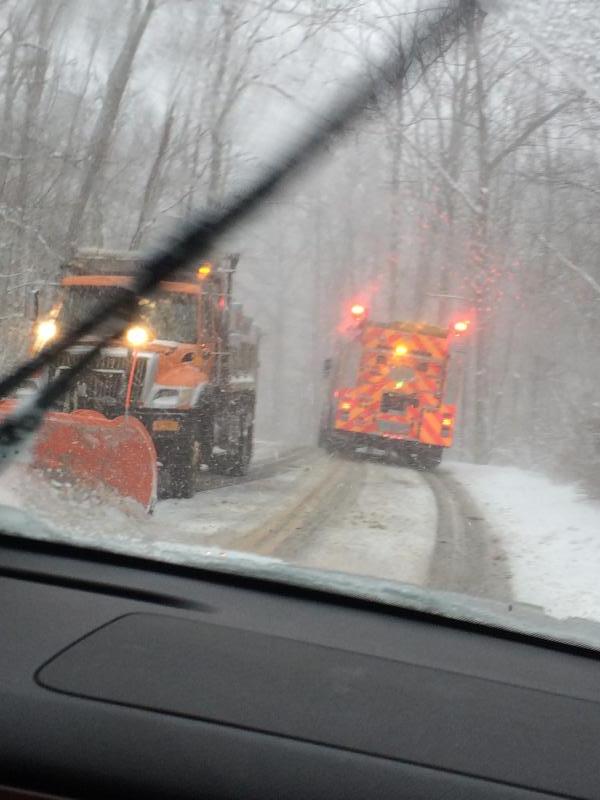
(177, 391)
(386, 390)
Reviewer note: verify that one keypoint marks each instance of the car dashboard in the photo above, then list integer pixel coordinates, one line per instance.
(121, 677)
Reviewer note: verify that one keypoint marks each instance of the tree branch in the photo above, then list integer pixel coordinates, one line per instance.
(573, 267)
(23, 226)
(439, 168)
(528, 130)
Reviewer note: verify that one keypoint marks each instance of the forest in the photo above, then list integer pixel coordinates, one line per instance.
(472, 185)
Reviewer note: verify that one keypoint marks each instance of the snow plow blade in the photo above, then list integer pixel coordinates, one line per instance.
(85, 447)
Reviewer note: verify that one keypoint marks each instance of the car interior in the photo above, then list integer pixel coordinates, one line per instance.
(122, 677)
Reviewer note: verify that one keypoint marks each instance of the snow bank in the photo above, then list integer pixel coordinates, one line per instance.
(550, 533)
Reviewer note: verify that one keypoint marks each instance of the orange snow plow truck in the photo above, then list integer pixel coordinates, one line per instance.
(175, 393)
(386, 391)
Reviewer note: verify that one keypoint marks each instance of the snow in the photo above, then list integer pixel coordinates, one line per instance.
(387, 530)
(362, 518)
(265, 449)
(550, 533)
(352, 519)
(194, 527)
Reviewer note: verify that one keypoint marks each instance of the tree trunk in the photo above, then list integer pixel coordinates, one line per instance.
(396, 142)
(35, 87)
(152, 188)
(217, 142)
(479, 257)
(102, 133)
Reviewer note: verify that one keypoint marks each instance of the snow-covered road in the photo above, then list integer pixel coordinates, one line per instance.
(308, 509)
(368, 518)
(494, 532)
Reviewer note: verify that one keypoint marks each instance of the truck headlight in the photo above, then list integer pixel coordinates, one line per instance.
(46, 330)
(137, 336)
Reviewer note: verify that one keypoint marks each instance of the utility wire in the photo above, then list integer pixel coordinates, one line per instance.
(197, 237)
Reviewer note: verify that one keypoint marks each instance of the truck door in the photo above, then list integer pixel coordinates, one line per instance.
(208, 338)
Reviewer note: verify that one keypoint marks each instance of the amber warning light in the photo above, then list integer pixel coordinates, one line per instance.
(461, 326)
(204, 270)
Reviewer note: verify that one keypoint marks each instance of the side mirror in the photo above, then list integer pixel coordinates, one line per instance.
(327, 365)
(32, 305)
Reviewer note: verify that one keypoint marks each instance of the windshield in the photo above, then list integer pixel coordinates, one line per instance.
(170, 316)
(391, 386)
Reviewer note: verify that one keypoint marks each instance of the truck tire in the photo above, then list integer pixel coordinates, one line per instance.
(328, 443)
(426, 457)
(178, 480)
(433, 457)
(182, 481)
(236, 460)
(240, 459)
(324, 439)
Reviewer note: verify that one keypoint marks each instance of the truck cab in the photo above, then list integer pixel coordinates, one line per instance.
(185, 366)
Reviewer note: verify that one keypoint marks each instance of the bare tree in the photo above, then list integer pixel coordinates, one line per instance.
(101, 135)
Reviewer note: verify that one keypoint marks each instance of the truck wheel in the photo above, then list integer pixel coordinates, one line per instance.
(206, 438)
(326, 441)
(241, 454)
(434, 457)
(236, 459)
(181, 480)
(426, 457)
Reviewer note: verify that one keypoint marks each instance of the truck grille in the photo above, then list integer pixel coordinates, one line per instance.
(102, 386)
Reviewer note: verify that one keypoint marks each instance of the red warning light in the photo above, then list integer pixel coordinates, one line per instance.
(357, 310)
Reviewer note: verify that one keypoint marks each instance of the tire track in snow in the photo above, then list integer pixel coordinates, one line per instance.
(369, 516)
(364, 517)
(283, 533)
(467, 557)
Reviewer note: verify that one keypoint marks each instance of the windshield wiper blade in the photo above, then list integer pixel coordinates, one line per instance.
(197, 237)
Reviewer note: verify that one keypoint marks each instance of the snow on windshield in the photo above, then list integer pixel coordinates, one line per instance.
(391, 370)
